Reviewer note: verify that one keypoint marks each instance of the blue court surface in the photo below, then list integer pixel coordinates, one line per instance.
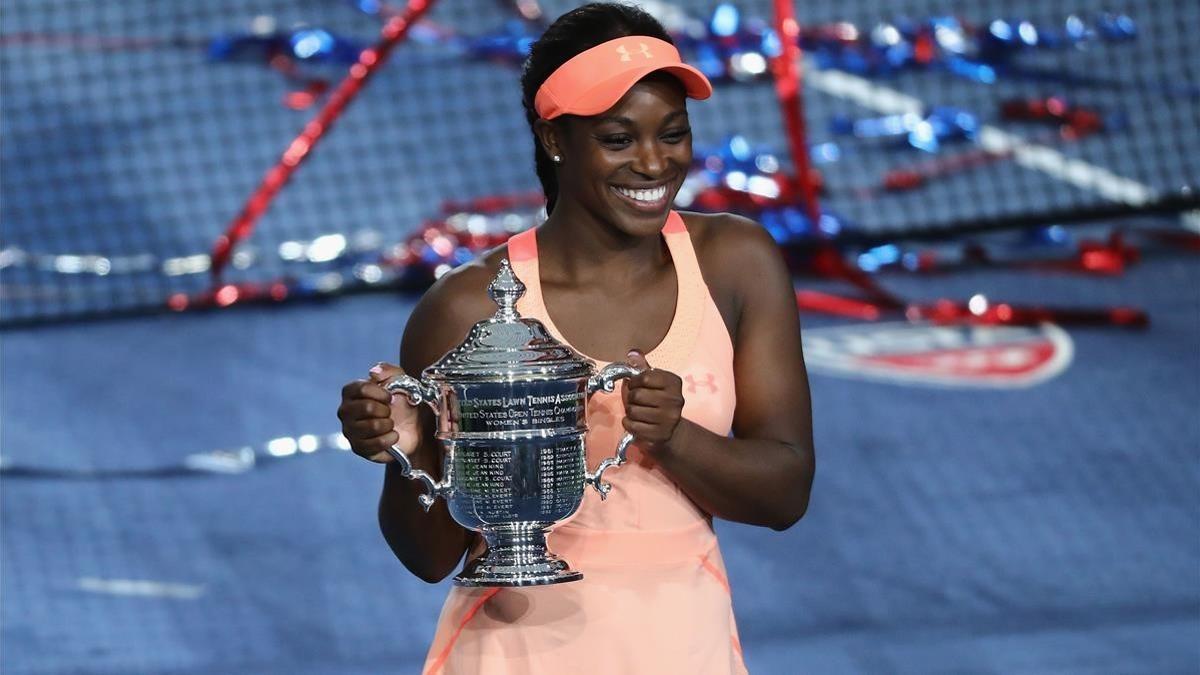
(1044, 529)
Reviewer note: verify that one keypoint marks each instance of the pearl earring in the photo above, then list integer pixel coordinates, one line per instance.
(557, 159)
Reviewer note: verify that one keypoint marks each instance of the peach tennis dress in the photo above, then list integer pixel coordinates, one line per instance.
(654, 597)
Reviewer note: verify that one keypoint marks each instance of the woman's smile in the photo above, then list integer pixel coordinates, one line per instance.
(648, 200)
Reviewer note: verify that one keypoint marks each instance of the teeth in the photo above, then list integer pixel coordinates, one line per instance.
(645, 195)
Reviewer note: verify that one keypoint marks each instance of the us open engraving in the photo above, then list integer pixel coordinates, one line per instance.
(525, 411)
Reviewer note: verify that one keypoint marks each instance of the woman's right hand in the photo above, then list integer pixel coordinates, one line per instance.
(372, 422)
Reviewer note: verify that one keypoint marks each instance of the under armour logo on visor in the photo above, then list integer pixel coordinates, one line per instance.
(643, 49)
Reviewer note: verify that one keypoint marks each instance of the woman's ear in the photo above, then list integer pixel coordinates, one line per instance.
(549, 135)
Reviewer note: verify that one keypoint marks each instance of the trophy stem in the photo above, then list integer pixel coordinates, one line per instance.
(516, 556)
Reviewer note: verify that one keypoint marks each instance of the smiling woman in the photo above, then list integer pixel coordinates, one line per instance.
(720, 412)
(633, 158)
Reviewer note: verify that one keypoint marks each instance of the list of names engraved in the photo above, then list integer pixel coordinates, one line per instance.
(487, 476)
(561, 473)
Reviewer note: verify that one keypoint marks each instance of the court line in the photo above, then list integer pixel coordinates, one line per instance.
(141, 587)
(1032, 156)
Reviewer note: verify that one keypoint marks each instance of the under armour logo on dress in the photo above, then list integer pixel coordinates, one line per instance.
(709, 381)
(643, 49)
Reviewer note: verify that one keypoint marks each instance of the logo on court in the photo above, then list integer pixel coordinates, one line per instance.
(643, 49)
(947, 356)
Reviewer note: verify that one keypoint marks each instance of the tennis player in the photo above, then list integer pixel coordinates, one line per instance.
(721, 415)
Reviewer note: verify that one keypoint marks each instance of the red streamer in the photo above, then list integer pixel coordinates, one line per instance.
(839, 305)
(786, 69)
(369, 61)
(950, 312)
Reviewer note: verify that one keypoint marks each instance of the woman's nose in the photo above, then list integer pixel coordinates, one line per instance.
(651, 160)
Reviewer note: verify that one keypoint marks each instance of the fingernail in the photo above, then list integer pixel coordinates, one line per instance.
(377, 369)
(632, 353)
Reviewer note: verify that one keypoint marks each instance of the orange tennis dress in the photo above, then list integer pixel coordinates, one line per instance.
(654, 597)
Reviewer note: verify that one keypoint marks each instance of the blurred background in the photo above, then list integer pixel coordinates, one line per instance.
(215, 214)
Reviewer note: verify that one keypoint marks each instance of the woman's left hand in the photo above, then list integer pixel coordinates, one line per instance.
(653, 404)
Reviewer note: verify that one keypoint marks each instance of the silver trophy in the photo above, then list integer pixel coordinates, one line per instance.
(511, 405)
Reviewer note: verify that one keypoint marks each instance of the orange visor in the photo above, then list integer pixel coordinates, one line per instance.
(593, 81)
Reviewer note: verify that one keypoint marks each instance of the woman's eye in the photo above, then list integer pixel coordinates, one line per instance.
(615, 140)
(676, 136)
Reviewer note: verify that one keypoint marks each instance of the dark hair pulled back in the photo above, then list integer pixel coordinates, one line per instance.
(571, 34)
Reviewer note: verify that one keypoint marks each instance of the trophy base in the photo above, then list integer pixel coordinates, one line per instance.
(516, 557)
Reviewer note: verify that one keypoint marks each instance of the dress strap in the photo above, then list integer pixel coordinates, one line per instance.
(674, 224)
(522, 255)
(676, 349)
(522, 246)
(683, 254)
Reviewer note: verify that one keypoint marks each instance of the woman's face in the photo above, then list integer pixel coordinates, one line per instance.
(626, 164)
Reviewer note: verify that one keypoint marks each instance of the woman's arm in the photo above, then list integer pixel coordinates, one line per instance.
(431, 544)
(762, 476)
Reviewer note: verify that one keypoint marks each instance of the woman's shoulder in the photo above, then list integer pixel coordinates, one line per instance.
(727, 237)
(734, 253)
(728, 246)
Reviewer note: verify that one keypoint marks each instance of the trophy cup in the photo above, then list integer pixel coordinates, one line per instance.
(511, 405)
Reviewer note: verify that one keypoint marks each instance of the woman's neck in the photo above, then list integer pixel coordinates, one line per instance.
(584, 248)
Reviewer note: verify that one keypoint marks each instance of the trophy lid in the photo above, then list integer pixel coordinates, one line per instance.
(507, 346)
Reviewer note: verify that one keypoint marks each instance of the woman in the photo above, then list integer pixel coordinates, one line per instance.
(703, 303)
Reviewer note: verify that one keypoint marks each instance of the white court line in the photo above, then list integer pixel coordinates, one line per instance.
(141, 587)
(1033, 156)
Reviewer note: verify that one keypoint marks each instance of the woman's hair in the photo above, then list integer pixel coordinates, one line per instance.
(571, 34)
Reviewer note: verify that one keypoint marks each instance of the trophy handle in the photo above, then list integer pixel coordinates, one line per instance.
(417, 392)
(606, 381)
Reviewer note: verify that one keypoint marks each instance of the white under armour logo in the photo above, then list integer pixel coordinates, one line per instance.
(643, 49)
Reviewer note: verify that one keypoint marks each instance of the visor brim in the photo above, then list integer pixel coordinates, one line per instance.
(606, 93)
